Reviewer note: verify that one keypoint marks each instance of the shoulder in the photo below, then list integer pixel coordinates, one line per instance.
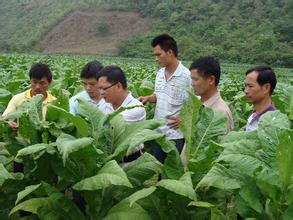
(135, 114)
(81, 94)
(19, 97)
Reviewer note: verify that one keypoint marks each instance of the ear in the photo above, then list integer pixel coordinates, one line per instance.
(170, 52)
(212, 80)
(266, 87)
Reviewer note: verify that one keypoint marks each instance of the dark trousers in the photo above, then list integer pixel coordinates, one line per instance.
(161, 155)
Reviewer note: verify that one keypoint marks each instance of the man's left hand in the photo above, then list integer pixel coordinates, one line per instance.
(173, 122)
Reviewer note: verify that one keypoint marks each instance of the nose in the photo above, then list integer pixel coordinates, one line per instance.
(87, 87)
(38, 86)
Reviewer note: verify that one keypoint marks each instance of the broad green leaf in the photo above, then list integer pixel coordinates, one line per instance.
(110, 174)
(269, 126)
(129, 136)
(182, 187)
(140, 194)
(123, 211)
(28, 190)
(99, 126)
(220, 177)
(173, 167)
(62, 100)
(252, 198)
(285, 157)
(210, 126)
(68, 144)
(189, 115)
(143, 169)
(33, 149)
(242, 150)
(5, 96)
(31, 205)
(5, 175)
(55, 113)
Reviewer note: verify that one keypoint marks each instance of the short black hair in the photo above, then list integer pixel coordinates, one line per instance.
(114, 74)
(91, 70)
(265, 75)
(166, 42)
(40, 70)
(207, 66)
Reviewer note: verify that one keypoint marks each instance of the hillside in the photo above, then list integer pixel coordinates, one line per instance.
(87, 32)
(238, 31)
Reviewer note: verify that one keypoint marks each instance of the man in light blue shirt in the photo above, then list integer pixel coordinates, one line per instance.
(89, 76)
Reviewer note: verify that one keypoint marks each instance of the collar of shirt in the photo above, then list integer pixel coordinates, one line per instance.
(255, 117)
(127, 100)
(211, 101)
(48, 99)
(86, 96)
(177, 72)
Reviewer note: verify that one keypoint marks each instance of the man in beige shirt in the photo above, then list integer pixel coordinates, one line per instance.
(205, 77)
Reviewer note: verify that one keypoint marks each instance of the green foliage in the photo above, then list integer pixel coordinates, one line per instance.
(243, 173)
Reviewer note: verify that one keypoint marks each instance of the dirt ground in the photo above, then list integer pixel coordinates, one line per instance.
(80, 32)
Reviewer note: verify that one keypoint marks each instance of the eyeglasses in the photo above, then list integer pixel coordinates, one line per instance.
(102, 90)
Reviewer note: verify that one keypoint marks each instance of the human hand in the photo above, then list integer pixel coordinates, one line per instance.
(173, 121)
(143, 99)
(12, 124)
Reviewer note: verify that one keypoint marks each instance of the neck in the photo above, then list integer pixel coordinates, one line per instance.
(262, 105)
(96, 98)
(171, 68)
(120, 99)
(210, 93)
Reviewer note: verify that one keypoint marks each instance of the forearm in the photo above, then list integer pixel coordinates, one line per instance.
(152, 98)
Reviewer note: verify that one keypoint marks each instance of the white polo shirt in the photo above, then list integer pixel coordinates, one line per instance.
(133, 115)
(170, 95)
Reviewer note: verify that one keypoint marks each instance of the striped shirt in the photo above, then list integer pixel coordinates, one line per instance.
(170, 96)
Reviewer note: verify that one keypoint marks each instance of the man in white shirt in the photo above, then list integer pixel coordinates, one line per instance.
(113, 88)
(172, 82)
(260, 83)
(89, 76)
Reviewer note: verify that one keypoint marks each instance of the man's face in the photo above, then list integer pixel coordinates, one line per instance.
(199, 83)
(91, 86)
(107, 90)
(254, 92)
(162, 57)
(39, 86)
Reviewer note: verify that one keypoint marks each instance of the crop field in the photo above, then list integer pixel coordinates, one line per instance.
(72, 163)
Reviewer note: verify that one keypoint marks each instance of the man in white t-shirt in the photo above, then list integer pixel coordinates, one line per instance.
(89, 76)
(113, 88)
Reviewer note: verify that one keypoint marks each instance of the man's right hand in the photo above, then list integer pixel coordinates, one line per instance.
(148, 98)
(143, 99)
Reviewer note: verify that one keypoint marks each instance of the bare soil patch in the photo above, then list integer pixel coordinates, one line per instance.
(84, 32)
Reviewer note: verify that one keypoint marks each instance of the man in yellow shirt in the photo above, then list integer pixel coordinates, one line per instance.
(40, 78)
